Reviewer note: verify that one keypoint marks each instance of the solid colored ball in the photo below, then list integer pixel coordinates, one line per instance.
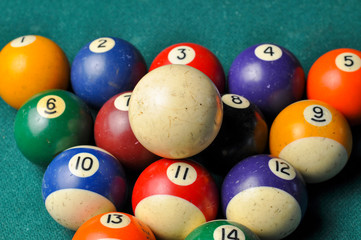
(175, 196)
(265, 194)
(193, 55)
(31, 64)
(112, 132)
(50, 122)
(335, 78)
(105, 67)
(268, 75)
(314, 137)
(221, 230)
(244, 132)
(82, 182)
(175, 111)
(114, 225)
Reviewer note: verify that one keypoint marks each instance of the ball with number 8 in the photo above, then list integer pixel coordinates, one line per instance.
(265, 194)
(113, 133)
(335, 78)
(174, 196)
(114, 225)
(51, 122)
(244, 132)
(82, 182)
(314, 137)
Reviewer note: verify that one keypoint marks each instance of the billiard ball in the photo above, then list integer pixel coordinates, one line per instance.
(175, 111)
(112, 132)
(50, 122)
(243, 132)
(193, 55)
(105, 67)
(174, 196)
(335, 78)
(31, 64)
(266, 194)
(82, 182)
(221, 230)
(268, 75)
(113, 225)
(314, 137)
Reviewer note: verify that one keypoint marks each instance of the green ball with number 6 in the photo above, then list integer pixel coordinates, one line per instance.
(51, 122)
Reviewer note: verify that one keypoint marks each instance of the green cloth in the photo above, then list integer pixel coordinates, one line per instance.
(306, 28)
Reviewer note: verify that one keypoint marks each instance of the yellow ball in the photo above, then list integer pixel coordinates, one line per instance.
(175, 111)
(29, 65)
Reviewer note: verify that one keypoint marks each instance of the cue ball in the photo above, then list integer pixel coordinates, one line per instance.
(222, 230)
(50, 122)
(112, 132)
(193, 55)
(82, 182)
(314, 137)
(175, 111)
(114, 226)
(105, 67)
(31, 64)
(244, 132)
(335, 78)
(175, 196)
(268, 75)
(266, 194)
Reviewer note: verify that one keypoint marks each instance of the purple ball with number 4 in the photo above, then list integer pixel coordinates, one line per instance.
(268, 75)
(266, 194)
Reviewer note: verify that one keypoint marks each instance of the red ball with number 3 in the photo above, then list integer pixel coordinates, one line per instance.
(175, 196)
(335, 78)
(193, 55)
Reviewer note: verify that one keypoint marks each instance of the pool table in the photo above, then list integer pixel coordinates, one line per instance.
(307, 28)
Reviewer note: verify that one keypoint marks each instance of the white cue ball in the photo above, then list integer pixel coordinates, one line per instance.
(175, 111)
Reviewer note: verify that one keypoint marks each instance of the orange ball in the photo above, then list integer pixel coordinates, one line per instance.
(335, 78)
(31, 64)
(113, 225)
(314, 137)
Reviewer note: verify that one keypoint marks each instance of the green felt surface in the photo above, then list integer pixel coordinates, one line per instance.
(307, 28)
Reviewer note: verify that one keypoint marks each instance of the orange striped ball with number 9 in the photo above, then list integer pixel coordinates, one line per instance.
(314, 137)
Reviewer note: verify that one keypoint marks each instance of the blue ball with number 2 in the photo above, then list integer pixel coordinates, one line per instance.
(82, 182)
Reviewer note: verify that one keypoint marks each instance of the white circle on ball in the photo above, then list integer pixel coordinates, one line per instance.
(181, 173)
(281, 169)
(235, 101)
(181, 55)
(348, 62)
(317, 115)
(122, 101)
(268, 52)
(83, 165)
(51, 106)
(115, 220)
(228, 232)
(102, 45)
(23, 41)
